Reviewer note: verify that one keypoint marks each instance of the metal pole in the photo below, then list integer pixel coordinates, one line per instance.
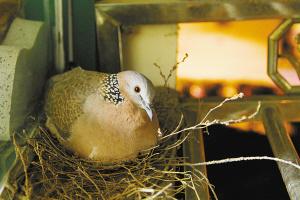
(282, 148)
(193, 150)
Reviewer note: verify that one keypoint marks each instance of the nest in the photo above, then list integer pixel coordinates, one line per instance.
(55, 173)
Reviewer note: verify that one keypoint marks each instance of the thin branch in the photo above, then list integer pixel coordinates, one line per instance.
(172, 70)
(239, 159)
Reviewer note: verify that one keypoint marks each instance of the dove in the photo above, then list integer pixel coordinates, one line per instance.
(103, 117)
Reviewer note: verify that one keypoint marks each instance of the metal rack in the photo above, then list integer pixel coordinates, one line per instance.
(111, 16)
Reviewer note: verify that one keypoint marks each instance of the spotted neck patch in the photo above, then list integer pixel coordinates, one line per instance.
(111, 91)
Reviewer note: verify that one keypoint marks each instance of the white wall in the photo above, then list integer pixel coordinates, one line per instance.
(144, 45)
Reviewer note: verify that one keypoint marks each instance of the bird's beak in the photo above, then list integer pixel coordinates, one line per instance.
(149, 112)
(148, 109)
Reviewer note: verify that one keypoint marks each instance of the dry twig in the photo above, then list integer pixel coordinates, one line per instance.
(172, 70)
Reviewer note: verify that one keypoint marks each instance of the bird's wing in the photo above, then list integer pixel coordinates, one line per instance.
(65, 95)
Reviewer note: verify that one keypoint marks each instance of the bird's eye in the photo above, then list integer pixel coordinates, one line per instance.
(137, 89)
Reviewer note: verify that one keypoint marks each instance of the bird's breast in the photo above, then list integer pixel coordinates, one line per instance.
(111, 132)
(126, 115)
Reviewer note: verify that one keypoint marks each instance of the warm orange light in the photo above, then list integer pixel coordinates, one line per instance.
(196, 91)
(258, 127)
(228, 91)
(231, 51)
(231, 57)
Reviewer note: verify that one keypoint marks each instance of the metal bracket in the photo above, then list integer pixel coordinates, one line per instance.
(273, 50)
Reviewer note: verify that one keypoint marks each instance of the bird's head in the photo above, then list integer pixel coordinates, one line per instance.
(138, 88)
